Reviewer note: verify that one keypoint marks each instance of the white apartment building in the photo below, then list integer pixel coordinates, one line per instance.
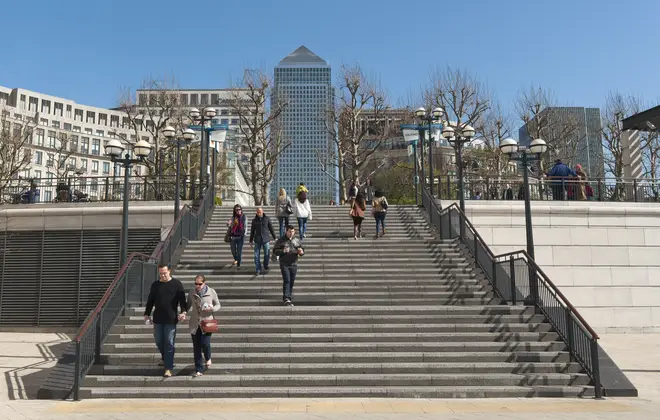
(87, 129)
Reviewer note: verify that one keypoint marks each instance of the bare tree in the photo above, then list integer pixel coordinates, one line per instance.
(333, 161)
(538, 110)
(617, 107)
(149, 115)
(259, 110)
(15, 153)
(492, 128)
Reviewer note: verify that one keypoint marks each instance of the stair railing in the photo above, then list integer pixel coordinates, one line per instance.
(131, 285)
(516, 278)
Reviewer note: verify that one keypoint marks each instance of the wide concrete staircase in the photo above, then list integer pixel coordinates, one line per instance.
(405, 315)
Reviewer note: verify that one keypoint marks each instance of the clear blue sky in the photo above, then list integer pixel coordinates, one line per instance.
(87, 51)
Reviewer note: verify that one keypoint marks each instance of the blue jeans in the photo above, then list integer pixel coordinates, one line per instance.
(165, 336)
(201, 343)
(257, 255)
(302, 226)
(380, 220)
(237, 248)
(288, 278)
(284, 220)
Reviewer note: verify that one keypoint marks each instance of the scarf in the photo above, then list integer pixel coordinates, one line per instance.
(201, 292)
(237, 225)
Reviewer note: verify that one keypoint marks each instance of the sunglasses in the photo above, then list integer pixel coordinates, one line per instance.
(199, 284)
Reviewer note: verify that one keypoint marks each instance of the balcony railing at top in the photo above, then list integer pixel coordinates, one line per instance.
(93, 188)
(644, 190)
(517, 279)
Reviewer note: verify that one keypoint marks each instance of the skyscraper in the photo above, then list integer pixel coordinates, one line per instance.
(304, 81)
(587, 133)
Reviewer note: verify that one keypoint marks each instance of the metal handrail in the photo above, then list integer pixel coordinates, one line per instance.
(590, 363)
(552, 286)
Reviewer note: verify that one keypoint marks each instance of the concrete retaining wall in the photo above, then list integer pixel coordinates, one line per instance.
(605, 257)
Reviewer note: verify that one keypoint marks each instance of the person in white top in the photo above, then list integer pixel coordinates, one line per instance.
(303, 212)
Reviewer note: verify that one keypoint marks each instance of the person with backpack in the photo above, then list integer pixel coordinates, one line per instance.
(358, 207)
(303, 212)
(236, 228)
(283, 209)
(379, 210)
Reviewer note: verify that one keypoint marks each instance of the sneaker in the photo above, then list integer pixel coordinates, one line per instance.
(167, 374)
(288, 302)
(256, 273)
(266, 268)
(355, 237)
(208, 363)
(235, 262)
(197, 374)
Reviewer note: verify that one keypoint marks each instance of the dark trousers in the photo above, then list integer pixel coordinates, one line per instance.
(284, 221)
(201, 344)
(165, 337)
(302, 226)
(237, 248)
(288, 279)
(380, 221)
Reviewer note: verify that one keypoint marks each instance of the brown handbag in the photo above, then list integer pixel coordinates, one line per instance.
(209, 326)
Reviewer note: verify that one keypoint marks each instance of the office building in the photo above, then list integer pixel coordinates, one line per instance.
(587, 139)
(86, 129)
(304, 81)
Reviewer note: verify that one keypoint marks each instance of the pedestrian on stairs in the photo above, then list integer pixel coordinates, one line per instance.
(379, 211)
(237, 227)
(283, 209)
(202, 303)
(259, 230)
(358, 206)
(288, 249)
(165, 295)
(303, 212)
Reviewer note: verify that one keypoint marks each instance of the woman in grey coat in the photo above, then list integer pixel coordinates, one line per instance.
(202, 303)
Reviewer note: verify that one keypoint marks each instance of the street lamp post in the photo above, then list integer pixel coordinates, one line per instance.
(430, 118)
(219, 138)
(457, 136)
(526, 156)
(201, 118)
(187, 136)
(115, 149)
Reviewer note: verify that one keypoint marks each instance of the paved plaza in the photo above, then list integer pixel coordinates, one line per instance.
(24, 359)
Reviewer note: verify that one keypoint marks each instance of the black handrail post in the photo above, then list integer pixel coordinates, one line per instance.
(77, 369)
(533, 285)
(494, 268)
(512, 271)
(107, 188)
(125, 280)
(595, 367)
(569, 332)
(635, 189)
(97, 343)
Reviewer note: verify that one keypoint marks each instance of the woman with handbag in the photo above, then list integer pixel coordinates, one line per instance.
(358, 207)
(283, 209)
(235, 235)
(202, 303)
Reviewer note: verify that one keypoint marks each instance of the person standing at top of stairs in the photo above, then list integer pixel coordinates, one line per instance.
(259, 230)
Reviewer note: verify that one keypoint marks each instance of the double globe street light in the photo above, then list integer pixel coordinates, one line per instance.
(525, 155)
(429, 119)
(201, 118)
(120, 155)
(458, 135)
(186, 137)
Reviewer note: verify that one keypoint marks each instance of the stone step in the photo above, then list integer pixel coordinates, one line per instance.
(230, 318)
(382, 391)
(356, 379)
(459, 281)
(353, 337)
(121, 332)
(319, 272)
(338, 295)
(342, 368)
(228, 290)
(304, 300)
(375, 310)
(152, 357)
(378, 244)
(186, 345)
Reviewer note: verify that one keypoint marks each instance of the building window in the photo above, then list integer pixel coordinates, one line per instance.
(84, 148)
(96, 147)
(38, 157)
(95, 166)
(89, 131)
(40, 137)
(52, 139)
(106, 167)
(45, 106)
(234, 121)
(73, 145)
(59, 109)
(48, 196)
(72, 162)
(91, 117)
(214, 98)
(100, 133)
(193, 99)
(183, 99)
(124, 122)
(76, 129)
(224, 121)
(43, 121)
(67, 126)
(49, 160)
(94, 185)
(22, 103)
(33, 104)
(103, 119)
(224, 112)
(55, 124)
(68, 111)
(37, 174)
(78, 115)
(83, 164)
(114, 121)
(204, 99)
(142, 99)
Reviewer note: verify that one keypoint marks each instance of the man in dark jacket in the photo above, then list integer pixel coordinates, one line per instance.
(288, 249)
(260, 228)
(558, 175)
(165, 295)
